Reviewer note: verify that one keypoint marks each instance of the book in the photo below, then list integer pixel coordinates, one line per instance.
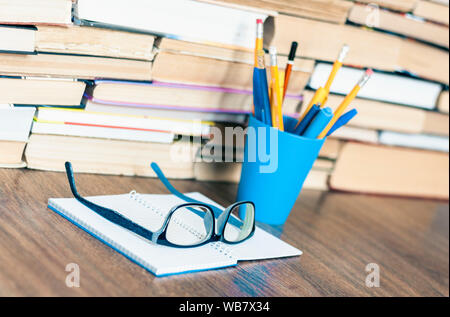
(377, 50)
(17, 39)
(15, 123)
(432, 11)
(185, 97)
(63, 128)
(418, 141)
(110, 157)
(181, 19)
(443, 103)
(36, 12)
(74, 66)
(41, 91)
(328, 10)
(163, 260)
(94, 41)
(394, 171)
(406, 25)
(330, 148)
(356, 134)
(436, 123)
(230, 172)
(78, 117)
(141, 110)
(382, 86)
(443, 2)
(378, 115)
(397, 5)
(179, 62)
(11, 153)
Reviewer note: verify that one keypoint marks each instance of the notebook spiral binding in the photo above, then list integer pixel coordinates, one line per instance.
(217, 246)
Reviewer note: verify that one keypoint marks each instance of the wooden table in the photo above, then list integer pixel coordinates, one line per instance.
(339, 234)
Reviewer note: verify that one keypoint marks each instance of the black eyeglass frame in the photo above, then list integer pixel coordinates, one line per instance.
(159, 237)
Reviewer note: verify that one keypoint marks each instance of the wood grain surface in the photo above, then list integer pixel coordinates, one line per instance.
(339, 234)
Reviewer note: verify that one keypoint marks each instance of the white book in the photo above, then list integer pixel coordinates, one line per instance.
(384, 87)
(17, 39)
(124, 121)
(15, 123)
(158, 259)
(181, 19)
(356, 134)
(102, 133)
(175, 114)
(419, 141)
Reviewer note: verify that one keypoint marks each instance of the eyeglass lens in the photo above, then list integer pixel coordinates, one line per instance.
(190, 226)
(240, 229)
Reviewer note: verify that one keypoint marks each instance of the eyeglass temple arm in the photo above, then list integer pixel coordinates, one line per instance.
(106, 213)
(175, 192)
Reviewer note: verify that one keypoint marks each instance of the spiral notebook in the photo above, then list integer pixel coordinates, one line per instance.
(148, 210)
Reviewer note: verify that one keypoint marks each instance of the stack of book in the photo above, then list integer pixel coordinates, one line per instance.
(119, 84)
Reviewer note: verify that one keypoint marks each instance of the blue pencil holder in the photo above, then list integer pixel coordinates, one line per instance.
(273, 181)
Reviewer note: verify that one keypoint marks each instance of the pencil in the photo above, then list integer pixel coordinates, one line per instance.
(347, 100)
(276, 95)
(290, 64)
(260, 89)
(321, 95)
(259, 39)
(258, 47)
(336, 66)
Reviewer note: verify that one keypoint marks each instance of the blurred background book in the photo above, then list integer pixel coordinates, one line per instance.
(112, 85)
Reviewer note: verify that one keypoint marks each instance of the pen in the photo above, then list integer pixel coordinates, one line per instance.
(343, 120)
(276, 96)
(319, 122)
(290, 64)
(307, 120)
(347, 100)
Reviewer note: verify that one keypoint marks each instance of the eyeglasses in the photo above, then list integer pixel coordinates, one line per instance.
(190, 224)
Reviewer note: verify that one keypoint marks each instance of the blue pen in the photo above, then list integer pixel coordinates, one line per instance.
(265, 99)
(320, 121)
(257, 97)
(343, 120)
(307, 120)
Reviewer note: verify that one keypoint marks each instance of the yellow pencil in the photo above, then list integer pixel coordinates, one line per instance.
(321, 95)
(336, 66)
(259, 39)
(277, 94)
(347, 100)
